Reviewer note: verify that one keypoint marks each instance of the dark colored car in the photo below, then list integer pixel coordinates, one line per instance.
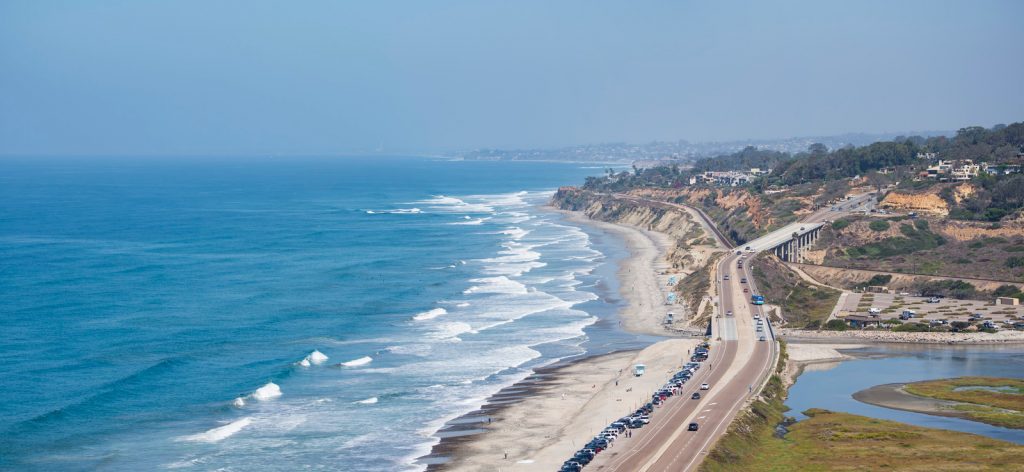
(695, 396)
(693, 427)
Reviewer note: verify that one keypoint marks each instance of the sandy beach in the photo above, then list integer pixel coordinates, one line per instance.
(538, 423)
(573, 403)
(639, 275)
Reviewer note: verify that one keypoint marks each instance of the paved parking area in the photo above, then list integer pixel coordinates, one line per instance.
(947, 309)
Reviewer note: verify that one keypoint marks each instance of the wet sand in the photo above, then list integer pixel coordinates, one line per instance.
(895, 397)
(542, 420)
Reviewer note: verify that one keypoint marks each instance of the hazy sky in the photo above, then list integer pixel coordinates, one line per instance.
(325, 77)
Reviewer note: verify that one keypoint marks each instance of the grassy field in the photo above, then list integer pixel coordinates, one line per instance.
(840, 441)
(1002, 407)
(831, 441)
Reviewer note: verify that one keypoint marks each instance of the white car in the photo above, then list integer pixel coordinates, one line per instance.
(705, 386)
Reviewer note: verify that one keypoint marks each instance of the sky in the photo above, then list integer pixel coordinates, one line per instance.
(255, 77)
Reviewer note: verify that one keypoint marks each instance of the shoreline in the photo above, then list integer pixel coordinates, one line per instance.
(638, 274)
(893, 396)
(890, 337)
(539, 421)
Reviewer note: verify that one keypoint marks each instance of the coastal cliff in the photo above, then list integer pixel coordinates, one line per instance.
(690, 254)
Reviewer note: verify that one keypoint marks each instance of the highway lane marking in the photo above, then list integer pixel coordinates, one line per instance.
(655, 434)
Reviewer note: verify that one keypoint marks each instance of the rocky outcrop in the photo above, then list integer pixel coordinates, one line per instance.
(920, 203)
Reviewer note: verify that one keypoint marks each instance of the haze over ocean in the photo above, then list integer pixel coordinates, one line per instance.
(148, 306)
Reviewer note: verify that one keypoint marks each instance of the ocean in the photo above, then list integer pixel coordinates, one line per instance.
(281, 314)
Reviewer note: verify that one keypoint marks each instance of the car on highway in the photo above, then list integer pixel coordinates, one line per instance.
(693, 427)
(762, 338)
(743, 280)
(695, 396)
(726, 277)
(705, 386)
(728, 313)
(745, 290)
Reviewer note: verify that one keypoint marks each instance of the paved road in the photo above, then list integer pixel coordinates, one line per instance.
(734, 369)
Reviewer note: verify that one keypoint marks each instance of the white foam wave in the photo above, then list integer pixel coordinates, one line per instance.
(431, 314)
(421, 350)
(368, 401)
(451, 331)
(453, 204)
(500, 284)
(470, 222)
(462, 305)
(398, 211)
(239, 402)
(219, 433)
(315, 357)
(357, 362)
(515, 232)
(269, 391)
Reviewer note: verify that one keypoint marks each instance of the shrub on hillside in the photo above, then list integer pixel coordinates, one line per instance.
(879, 225)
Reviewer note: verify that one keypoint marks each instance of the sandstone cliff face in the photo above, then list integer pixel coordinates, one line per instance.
(729, 200)
(968, 230)
(688, 255)
(921, 203)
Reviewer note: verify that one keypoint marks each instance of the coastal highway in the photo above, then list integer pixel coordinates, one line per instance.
(735, 368)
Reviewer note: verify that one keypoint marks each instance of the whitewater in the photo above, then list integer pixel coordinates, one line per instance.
(292, 315)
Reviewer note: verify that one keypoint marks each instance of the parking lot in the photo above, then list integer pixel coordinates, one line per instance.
(947, 309)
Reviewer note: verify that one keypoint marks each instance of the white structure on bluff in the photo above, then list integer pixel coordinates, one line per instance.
(967, 171)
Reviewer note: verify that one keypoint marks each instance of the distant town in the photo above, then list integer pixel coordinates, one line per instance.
(667, 152)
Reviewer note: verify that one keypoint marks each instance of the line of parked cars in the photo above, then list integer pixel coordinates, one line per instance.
(642, 416)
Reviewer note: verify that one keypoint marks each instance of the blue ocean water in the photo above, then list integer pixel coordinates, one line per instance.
(175, 313)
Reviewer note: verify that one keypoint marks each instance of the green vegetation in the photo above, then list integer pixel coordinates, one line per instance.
(694, 286)
(841, 441)
(879, 225)
(948, 288)
(911, 328)
(840, 224)
(996, 197)
(991, 400)
(804, 305)
(1014, 261)
(918, 237)
(1008, 291)
(750, 432)
(876, 281)
(836, 325)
